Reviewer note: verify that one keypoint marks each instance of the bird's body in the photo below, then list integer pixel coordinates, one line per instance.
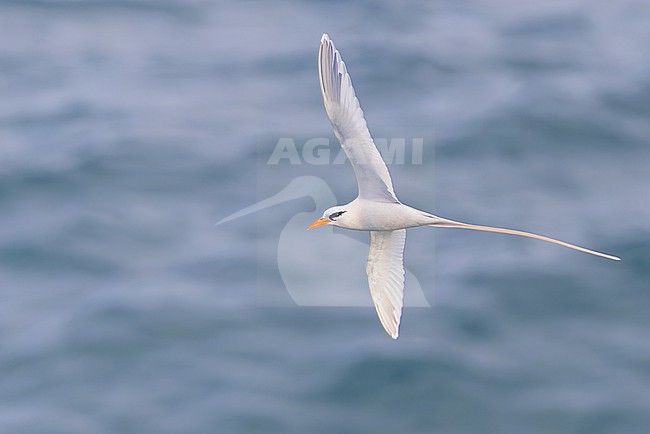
(377, 209)
(368, 215)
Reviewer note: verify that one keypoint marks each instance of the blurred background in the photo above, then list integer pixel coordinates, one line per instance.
(128, 128)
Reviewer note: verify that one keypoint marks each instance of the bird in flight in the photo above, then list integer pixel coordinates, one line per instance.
(376, 208)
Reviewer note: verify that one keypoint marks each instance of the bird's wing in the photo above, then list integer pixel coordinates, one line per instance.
(385, 271)
(350, 127)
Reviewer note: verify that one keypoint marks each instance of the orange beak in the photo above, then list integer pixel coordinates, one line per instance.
(320, 222)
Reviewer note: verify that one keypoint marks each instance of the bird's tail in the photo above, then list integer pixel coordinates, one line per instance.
(445, 223)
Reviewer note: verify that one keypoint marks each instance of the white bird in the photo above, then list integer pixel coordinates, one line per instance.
(376, 208)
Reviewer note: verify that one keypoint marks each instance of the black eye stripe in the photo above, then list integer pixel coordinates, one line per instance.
(336, 215)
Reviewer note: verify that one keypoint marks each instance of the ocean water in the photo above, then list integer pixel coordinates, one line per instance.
(128, 128)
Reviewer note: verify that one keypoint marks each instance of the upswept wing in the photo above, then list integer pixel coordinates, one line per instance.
(350, 127)
(385, 271)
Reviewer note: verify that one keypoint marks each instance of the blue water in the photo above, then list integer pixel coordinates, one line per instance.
(128, 128)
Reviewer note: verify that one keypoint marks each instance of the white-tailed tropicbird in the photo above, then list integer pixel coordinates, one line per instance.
(377, 209)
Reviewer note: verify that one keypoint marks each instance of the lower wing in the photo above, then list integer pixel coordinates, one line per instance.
(385, 271)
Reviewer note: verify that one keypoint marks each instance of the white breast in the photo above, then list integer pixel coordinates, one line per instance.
(369, 215)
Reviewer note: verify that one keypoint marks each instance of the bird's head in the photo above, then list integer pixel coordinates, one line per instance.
(332, 216)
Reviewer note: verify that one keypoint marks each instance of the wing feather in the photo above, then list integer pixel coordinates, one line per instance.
(385, 269)
(350, 126)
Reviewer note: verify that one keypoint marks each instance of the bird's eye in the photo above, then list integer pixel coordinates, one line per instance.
(336, 215)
